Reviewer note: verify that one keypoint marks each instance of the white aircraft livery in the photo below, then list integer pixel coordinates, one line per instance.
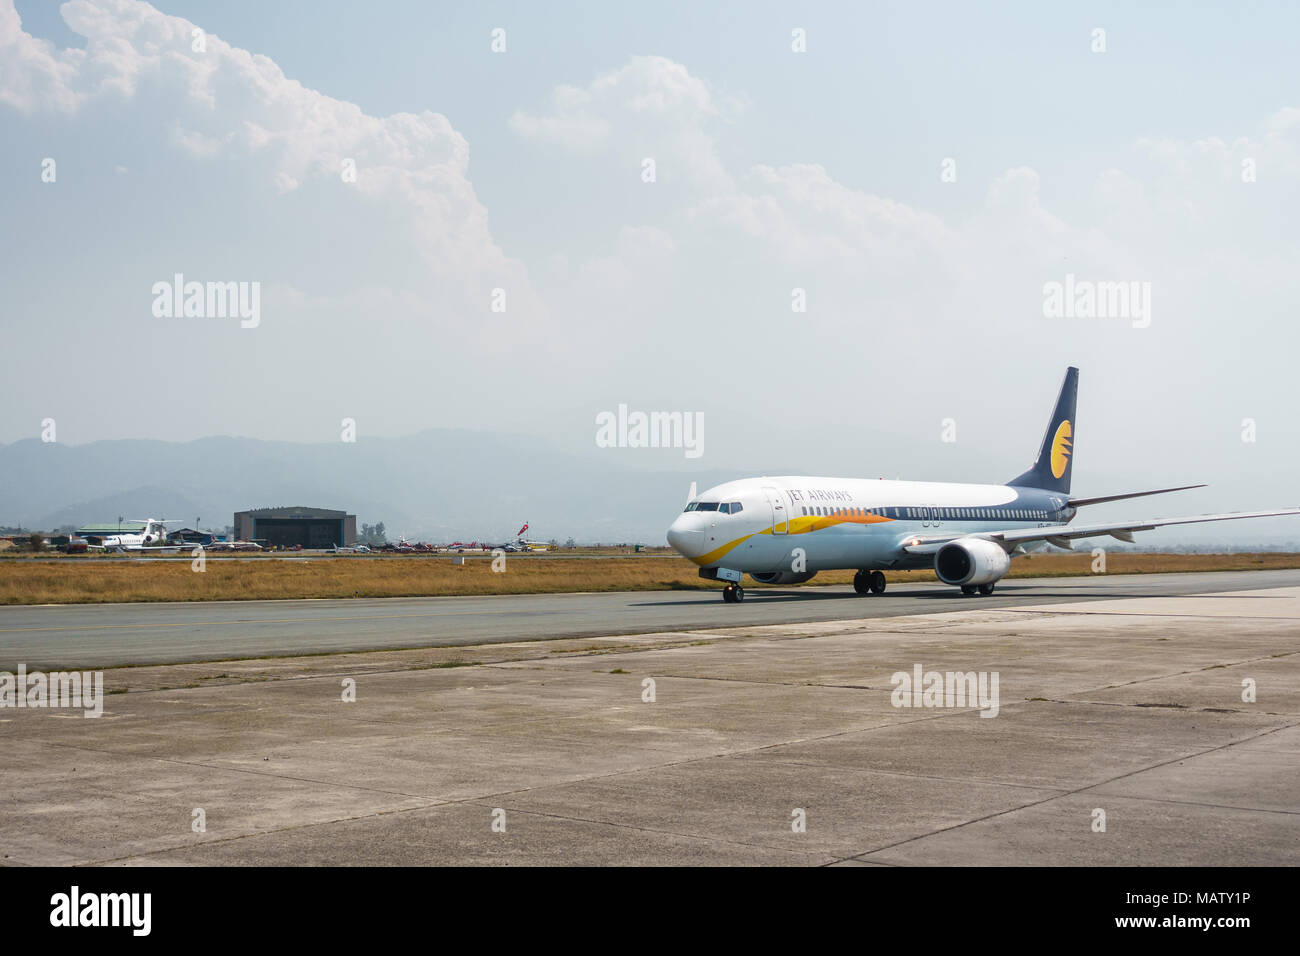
(785, 530)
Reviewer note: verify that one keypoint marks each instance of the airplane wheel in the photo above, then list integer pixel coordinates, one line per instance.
(862, 582)
(877, 582)
(986, 589)
(729, 594)
(968, 589)
(740, 593)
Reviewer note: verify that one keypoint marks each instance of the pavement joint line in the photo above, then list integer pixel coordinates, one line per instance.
(1199, 803)
(657, 830)
(1188, 710)
(1069, 793)
(276, 679)
(1199, 670)
(1059, 791)
(1199, 617)
(220, 767)
(259, 833)
(287, 620)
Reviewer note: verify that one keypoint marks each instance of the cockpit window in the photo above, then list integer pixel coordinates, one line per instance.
(707, 506)
(725, 508)
(737, 507)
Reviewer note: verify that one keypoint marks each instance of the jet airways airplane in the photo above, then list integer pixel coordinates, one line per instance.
(785, 530)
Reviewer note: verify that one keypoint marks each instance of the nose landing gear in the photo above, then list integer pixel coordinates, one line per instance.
(869, 582)
(984, 589)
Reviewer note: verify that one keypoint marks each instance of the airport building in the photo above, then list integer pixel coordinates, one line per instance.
(286, 527)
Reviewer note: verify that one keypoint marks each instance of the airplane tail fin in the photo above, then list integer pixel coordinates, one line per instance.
(1055, 462)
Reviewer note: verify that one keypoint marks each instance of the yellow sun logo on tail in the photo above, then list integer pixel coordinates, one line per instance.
(1061, 449)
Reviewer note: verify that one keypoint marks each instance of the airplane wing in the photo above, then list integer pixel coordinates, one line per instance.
(1061, 534)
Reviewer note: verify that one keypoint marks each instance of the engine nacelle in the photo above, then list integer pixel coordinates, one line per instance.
(971, 561)
(782, 577)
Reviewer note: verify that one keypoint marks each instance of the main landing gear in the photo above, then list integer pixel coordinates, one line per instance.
(869, 582)
(733, 593)
(984, 589)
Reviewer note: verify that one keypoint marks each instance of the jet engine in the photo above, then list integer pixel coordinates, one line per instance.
(782, 577)
(971, 561)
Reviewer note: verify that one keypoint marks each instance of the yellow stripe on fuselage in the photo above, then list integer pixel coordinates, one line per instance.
(804, 524)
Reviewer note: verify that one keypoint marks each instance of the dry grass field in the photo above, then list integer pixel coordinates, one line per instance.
(73, 581)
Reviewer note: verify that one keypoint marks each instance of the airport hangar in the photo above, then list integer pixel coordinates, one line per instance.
(286, 527)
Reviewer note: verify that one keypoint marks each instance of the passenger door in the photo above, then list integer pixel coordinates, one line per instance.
(780, 519)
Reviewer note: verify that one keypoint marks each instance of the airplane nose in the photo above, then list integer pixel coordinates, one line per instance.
(686, 534)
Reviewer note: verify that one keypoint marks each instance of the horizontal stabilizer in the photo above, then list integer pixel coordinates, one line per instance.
(1080, 502)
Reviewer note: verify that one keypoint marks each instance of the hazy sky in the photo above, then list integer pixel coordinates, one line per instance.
(1170, 158)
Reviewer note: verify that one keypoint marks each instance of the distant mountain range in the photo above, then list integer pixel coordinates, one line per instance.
(438, 485)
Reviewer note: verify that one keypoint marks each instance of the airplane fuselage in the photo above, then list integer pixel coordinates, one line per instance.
(846, 523)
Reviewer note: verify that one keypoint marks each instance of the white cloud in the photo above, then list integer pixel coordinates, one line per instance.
(225, 102)
(32, 74)
(650, 107)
